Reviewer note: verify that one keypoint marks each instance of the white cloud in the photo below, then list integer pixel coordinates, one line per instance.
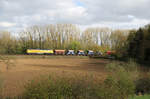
(7, 24)
(131, 16)
(134, 24)
(76, 12)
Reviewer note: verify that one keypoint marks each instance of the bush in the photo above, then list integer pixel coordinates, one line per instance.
(129, 68)
(112, 89)
(119, 84)
(61, 88)
(143, 86)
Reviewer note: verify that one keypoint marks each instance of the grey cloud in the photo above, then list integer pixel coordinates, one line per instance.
(117, 10)
(30, 12)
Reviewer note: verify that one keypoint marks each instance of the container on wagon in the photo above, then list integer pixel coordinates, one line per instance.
(59, 52)
(90, 53)
(110, 52)
(70, 52)
(98, 53)
(80, 52)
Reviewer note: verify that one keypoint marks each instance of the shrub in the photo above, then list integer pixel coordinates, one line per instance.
(61, 88)
(129, 68)
(112, 89)
(119, 84)
(143, 85)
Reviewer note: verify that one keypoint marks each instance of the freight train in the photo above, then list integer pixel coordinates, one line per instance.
(58, 52)
(67, 52)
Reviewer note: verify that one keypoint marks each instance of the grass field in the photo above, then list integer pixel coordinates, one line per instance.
(26, 67)
(142, 97)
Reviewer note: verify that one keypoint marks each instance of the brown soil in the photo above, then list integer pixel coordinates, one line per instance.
(26, 69)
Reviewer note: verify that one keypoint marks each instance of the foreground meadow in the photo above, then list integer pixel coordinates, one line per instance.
(25, 68)
(71, 77)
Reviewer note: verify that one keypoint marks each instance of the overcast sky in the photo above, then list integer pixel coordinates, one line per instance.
(19, 14)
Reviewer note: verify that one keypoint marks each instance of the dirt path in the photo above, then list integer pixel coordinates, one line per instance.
(27, 69)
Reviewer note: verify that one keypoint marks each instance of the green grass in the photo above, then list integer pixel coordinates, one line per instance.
(142, 97)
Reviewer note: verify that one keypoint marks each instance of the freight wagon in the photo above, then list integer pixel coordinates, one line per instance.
(111, 54)
(80, 52)
(70, 52)
(59, 52)
(90, 53)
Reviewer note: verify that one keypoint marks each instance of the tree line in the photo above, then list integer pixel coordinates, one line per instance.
(126, 43)
(138, 46)
(62, 36)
